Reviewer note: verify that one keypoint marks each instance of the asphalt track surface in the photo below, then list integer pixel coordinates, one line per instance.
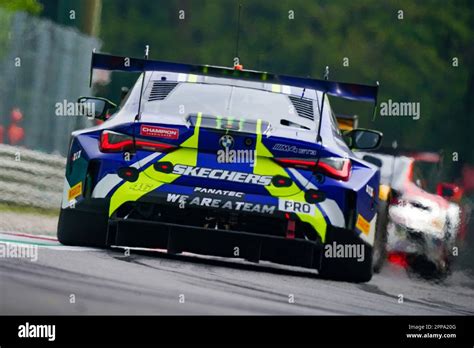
(151, 282)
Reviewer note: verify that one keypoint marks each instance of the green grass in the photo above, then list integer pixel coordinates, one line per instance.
(23, 209)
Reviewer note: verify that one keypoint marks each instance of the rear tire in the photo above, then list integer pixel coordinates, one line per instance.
(429, 270)
(84, 226)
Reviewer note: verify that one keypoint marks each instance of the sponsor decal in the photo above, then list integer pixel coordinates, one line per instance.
(159, 132)
(369, 190)
(183, 200)
(221, 174)
(296, 207)
(76, 155)
(362, 224)
(141, 187)
(294, 149)
(75, 191)
(219, 192)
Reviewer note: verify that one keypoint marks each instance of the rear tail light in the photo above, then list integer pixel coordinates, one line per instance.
(118, 142)
(399, 259)
(335, 167)
(115, 142)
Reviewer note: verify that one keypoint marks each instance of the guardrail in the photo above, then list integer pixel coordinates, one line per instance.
(31, 178)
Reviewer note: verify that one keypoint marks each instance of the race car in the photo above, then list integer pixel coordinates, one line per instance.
(422, 226)
(224, 161)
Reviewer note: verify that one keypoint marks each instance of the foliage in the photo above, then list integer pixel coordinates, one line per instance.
(411, 57)
(31, 6)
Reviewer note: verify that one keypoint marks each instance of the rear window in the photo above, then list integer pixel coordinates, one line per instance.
(230, 101)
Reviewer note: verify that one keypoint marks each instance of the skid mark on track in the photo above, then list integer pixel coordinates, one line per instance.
(235, 287)
(374, 289)
(444, 304)
(433, 303)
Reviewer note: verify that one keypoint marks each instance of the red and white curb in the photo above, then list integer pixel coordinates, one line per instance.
(42, 241)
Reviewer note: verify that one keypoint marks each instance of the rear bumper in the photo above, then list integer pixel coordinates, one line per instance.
(186, 199)
(402, 239)
(218, 242)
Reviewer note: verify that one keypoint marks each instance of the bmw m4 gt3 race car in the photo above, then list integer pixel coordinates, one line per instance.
(227, 162)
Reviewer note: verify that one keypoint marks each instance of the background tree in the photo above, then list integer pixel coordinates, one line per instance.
(419, 51)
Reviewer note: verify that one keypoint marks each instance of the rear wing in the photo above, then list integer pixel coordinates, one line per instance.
(351, 91)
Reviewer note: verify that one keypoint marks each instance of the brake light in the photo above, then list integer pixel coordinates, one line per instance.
(117, 142)
(399, 259)
(335, 167)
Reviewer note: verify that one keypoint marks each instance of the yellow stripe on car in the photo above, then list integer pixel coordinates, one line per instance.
(153, 179)
(266, 166)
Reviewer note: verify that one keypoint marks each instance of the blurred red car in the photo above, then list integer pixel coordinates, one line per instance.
(422, 226)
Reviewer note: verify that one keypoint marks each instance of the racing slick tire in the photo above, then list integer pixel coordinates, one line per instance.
(380, 242)
(429, 269)
(351, 269)
(85, 225)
